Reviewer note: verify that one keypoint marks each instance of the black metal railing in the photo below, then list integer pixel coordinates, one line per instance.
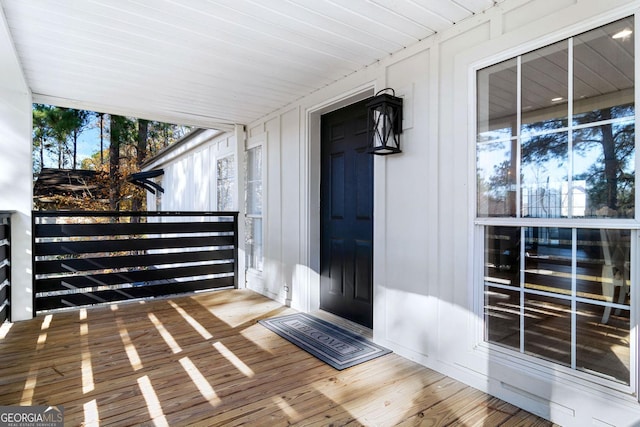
(5, 266)
(87, 258)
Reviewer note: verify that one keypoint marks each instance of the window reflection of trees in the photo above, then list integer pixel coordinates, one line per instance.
(496, 179)
(610, 149)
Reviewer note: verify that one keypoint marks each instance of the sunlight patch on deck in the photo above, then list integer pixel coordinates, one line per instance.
(193, 322)
(30, 385)
(166, 335)
(42, 338)
(287, 409)
(233, 359)
(4, 329)
(86, 367)
(200, 381)
(91, 415)
(129, 348)
(153, 403)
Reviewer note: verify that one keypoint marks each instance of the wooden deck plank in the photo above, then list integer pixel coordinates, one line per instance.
(319, 399)
(203, 360)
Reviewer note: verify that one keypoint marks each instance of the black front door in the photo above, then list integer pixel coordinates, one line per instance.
(346, 189)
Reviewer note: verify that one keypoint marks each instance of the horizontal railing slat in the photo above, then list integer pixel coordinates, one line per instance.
(119, 229)
(74, 265)
(78, 300)
(119, 278)
(142, 214)
(122, 245)
(4, 293)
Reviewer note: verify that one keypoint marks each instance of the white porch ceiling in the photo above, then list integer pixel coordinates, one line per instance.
(210, 63)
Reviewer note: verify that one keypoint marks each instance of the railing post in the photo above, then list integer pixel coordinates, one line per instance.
(235, 250)
(33, 262)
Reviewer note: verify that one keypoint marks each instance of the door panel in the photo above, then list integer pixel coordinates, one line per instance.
(336, 287)
(346, 263)
(364, 185)
(337, 188)
(363, 269)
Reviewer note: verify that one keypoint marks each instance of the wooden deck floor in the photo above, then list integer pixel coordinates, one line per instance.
(203, 360)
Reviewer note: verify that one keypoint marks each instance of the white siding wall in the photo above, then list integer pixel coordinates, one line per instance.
(15, 171)
(423, 273)
(189, 176)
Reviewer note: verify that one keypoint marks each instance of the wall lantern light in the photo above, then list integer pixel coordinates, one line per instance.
(384, 123)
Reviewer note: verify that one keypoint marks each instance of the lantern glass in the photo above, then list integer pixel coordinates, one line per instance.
(385, 124)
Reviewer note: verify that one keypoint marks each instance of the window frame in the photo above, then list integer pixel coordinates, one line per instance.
(252, 143)
(478, 225)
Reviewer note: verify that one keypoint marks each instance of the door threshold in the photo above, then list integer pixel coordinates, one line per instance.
(349, 325)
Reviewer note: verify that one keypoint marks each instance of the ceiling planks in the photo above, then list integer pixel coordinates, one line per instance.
(210, 63)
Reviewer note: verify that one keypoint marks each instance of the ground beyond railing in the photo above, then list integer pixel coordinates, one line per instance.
(5, 265)
(87, 258)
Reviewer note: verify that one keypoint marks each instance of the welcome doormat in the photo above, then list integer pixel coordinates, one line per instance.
(332, 344)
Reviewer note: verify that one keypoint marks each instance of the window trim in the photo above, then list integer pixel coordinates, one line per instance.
(522, 361)
(255, 141)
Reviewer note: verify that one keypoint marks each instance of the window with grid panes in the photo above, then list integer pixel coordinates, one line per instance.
(555, 170)
(253, 233)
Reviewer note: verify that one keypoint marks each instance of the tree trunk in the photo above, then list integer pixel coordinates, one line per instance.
(60, 155)
(42, 143)
(141, 154)
(143, 131)
(101, 138)
(75, 149)
(610, 161)
(114, 162)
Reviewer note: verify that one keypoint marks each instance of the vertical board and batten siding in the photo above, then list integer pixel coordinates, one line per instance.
(455, 263)
(405, 230)
(426, 299)
(290, 213)
(190, 174)
(275, 173)
(5, 267)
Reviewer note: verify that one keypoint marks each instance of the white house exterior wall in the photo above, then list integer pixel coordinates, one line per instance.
(15, 172)
(189, 173)
(189, 178)
(425, 296)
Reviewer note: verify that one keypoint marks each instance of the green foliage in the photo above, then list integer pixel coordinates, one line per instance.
(603, 147)
(608, 184)
(56, 131)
